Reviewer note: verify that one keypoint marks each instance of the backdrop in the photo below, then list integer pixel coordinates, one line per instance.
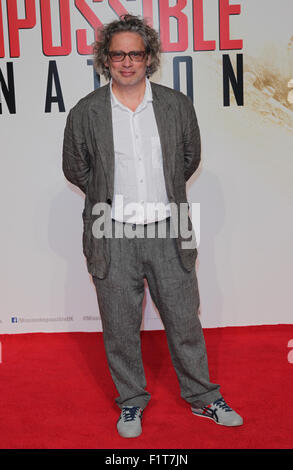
(235, 60)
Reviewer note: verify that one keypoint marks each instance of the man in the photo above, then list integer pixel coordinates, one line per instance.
(134, 144)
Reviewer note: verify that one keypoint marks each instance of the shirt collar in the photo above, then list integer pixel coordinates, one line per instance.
(148, 95)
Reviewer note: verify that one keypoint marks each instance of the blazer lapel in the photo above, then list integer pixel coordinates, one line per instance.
(167, 131)
(102, 130)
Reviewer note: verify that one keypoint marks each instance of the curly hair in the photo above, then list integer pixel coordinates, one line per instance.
(126, 23)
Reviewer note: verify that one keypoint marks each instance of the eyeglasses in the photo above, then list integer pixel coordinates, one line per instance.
(119, 56)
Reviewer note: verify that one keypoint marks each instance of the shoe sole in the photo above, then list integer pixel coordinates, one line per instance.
(129, 437)
(217, 422)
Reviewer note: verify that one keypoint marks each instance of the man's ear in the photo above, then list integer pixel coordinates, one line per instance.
(149, 60)
(106, 62)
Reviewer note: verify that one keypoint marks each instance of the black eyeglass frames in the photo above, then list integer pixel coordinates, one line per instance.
(119, 56)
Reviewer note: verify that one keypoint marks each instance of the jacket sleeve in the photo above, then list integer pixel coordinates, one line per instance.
(192, 142)
(75, 160)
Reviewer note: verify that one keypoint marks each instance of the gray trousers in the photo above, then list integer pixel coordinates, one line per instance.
(174, 291)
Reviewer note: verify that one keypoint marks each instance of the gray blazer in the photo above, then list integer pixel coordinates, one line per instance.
(88, 161)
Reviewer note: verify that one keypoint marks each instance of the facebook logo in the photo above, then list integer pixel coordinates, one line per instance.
(13, 319)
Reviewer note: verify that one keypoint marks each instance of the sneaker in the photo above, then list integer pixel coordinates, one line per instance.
(129, 423)
(220, 412)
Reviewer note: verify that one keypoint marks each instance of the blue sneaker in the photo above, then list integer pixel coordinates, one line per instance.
(129, 423)
(220, 412)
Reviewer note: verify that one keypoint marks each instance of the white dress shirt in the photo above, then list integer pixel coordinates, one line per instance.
(139, 185)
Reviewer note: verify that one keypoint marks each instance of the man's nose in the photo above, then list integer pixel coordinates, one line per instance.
(127, 61)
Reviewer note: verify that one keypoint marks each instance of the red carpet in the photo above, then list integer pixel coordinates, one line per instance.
(56, 392)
